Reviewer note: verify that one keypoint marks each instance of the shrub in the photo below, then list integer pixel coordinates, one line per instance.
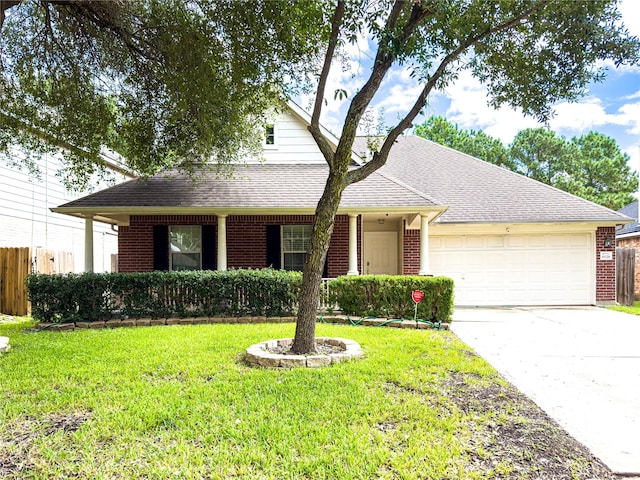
(92, 296)
(390, 296)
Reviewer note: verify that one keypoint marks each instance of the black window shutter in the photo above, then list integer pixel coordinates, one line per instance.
(325, 270)
(273, 247)
(209, 249)
(161, 247)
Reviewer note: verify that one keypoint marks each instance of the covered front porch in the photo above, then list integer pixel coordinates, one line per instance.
(368, 242)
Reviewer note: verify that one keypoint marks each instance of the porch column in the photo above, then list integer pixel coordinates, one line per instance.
(424, 245)
(353, 244)
(222, 242)
(88, 244)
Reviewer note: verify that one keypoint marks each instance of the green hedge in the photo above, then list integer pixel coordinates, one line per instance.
(390, 296)
(94, 296)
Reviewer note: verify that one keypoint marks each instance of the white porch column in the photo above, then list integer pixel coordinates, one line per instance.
(88, 244)
(353, 245)
(222, 242)
(424, 245)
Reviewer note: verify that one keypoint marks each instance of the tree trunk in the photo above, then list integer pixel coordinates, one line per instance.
(305, 338)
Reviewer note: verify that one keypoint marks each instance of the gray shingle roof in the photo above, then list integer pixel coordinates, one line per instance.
(419, 175)
(630, 210)
(255, 186)
(479, 192)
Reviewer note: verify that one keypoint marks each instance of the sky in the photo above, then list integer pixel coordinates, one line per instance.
(611, 107)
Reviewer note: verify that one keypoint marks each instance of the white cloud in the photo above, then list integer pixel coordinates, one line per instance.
(628, 115)
(579, 116)
(470, 110)
(399, 99)
(630, 10)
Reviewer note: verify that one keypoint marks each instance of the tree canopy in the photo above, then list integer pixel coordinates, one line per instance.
(162, 81)
(591, 166)
(159, 82)
(472, 142)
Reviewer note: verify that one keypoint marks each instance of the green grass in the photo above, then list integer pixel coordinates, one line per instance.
(178, 402)
(635, 309)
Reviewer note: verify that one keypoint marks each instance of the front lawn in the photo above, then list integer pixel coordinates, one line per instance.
(633, 309)
(178, 402)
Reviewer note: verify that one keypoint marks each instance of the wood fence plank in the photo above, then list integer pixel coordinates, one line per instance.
(625, 275)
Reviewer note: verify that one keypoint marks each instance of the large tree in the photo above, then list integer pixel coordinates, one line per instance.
(601, 172)
(161, 82)
(541, 154)
(529, 54)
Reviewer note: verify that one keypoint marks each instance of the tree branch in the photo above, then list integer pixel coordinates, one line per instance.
(383, 61)
(380, 157)
(314, 128)
(53, 140)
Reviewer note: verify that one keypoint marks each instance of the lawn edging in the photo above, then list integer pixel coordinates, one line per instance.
(151, 322)
(261, 355)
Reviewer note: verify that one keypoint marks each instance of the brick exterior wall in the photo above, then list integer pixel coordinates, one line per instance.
(633, 242)
(605, 269)
(411, 252)
(246, 239)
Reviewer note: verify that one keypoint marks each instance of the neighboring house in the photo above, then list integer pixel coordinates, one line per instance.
(505, 239)
(26, 219)
(628, 236)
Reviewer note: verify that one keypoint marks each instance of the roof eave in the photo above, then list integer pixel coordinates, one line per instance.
(121, 215)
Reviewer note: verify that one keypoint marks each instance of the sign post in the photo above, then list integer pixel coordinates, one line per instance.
(416, 296)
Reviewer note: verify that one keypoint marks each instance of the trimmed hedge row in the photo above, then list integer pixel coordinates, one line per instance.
(390, 296)
(95, 296)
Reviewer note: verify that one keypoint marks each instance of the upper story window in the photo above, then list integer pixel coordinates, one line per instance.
(186, 247)
(270, 139)
(295, 242)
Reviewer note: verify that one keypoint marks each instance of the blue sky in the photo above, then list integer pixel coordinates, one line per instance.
(611, 107)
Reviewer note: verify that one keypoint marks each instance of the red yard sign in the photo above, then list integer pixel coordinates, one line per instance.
(417, 296)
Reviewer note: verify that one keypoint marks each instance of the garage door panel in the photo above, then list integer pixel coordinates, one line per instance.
(517, 269)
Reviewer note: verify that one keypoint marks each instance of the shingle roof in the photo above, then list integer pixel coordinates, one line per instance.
(419, 175)
(257, 186)
(630, 210)
(479, 192)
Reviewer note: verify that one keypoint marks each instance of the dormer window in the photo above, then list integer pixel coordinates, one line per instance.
(270, 135)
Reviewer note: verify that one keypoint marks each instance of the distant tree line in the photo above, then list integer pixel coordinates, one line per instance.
(591, 166)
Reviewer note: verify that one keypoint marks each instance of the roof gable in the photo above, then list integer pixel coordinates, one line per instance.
(294, 144)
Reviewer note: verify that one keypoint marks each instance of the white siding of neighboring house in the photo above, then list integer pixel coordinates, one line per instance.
(25, 219)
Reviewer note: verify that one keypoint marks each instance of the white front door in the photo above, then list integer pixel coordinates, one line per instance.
(380, 253)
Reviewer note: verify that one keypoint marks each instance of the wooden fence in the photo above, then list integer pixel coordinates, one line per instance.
(16, 264)
(625, 275)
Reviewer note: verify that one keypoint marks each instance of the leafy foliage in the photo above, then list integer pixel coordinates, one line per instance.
(591, 166)
(601, 172)
(390, 296)
(162, 83)
(472, 142)
(92, 296)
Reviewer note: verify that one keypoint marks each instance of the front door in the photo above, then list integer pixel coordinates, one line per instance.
(381, 253)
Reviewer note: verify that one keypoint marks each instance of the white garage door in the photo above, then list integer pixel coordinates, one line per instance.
(517, 269)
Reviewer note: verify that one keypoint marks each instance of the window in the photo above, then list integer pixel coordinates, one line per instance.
(270, 136)
(295, 241)
(185, 247)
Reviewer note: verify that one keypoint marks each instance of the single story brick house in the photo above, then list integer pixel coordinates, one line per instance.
(505, 239)
(628, 236)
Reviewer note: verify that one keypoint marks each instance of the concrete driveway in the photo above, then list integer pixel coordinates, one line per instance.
(579, 364)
